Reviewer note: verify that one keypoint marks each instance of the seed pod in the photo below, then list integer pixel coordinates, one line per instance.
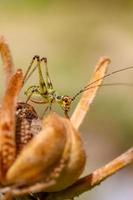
(27, 124)
(56, 153)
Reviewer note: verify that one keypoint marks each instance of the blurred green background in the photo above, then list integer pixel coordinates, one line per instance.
(73, 35)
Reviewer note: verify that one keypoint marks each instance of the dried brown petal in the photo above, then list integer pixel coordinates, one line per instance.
(7, 58)
(7, 122)
(54, 156)
(40, 154)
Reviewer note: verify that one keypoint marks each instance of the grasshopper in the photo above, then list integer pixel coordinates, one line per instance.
(46, 91)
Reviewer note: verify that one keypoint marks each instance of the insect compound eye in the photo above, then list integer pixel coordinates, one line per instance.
(66, 102)
(58, 97)
(66, 99)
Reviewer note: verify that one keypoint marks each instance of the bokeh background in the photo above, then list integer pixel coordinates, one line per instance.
(73, 35)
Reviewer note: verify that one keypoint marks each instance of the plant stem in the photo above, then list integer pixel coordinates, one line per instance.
(95, 178)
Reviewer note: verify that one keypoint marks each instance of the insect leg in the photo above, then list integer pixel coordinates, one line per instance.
(66, 114)
(28, 72)
(45, 111)
(42, 84)
(29, 97)
(48, 80)
(32, 90)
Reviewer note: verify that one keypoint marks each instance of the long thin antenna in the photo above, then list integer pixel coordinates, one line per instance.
(111, 84)
(103, 77)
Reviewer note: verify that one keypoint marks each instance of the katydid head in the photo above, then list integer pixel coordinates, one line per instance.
(64, 101)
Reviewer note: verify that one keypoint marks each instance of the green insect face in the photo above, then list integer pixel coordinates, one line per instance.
(66, 102)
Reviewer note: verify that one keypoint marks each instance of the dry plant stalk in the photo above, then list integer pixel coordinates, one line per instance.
(54, 158)
(7, 123)
(6, 58)
(95, 178)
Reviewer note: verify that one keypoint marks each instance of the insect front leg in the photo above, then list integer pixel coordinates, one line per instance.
(35, 91)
